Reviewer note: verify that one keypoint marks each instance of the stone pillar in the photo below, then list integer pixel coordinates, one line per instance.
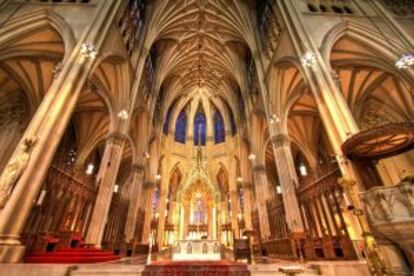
(148, 197)
(37, 147)
(134, 199)
(247, 194)
(162, 211)
(234, 197)
(106, 178)
(262, 192)
(288, 181)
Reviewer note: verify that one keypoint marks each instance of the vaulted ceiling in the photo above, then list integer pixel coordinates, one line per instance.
(201, 46)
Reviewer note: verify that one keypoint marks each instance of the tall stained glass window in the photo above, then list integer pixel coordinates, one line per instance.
(200, 128)
(219, 130)
(180, 127)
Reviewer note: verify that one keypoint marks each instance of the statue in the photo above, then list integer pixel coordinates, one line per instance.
(14, 170)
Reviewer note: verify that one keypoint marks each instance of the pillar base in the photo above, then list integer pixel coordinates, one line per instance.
(12, 253)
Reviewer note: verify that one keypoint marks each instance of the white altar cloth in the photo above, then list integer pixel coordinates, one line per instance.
(197, 250)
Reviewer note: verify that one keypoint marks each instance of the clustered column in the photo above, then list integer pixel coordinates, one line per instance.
(108, 172)
(288, 181)
(262, 193)
(134, 199)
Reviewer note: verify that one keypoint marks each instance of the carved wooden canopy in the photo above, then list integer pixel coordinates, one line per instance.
(380, 142)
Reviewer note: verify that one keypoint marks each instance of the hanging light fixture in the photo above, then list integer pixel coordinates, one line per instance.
(239, 179)
(158, 177)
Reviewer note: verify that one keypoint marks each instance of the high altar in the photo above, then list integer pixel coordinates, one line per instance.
(197, 250)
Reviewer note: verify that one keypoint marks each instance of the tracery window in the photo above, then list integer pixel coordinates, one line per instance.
(400, 7)
(219, 129)
(270, 28)
(180, 127)
(131, 23)
(200, 128)
(331, 6)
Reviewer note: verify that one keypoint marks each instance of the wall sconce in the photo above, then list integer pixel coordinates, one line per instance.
(252, 157)
(308, 59)
(405, 61)
(89, 50)
(90, 169)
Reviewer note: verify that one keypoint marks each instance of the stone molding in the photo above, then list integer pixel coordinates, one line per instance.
(137, 168)
(281, 140)
(259, 168)
(116, 138)
(149, 184)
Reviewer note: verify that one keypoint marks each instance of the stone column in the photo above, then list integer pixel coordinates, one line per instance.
(288, 181)
(37, 147)
(234, 197)
(149, 187)
(106, 178)
(134, 199)
(162, 211)
(247, 194)
(262, 192)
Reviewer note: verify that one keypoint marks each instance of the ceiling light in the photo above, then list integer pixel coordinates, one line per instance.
(239, 179)
(274, 119)
(252, 157)
(123, 114)
(308, 59)
(405, 61)
(89, 50)
(158, 177)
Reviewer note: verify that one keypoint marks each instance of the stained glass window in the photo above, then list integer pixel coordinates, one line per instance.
(180, 127)
(219, 130)
(199, 212)
(200, 128)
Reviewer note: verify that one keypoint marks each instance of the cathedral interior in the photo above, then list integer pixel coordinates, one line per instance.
(250, 136)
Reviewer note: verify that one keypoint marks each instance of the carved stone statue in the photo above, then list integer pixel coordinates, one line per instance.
(14, 170)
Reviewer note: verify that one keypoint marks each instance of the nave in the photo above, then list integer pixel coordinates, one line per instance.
(230, 137)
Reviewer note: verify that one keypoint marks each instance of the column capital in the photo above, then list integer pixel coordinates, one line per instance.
(116, 138)
(137, 168)
(258, 168)
(281, 140)
(149, 184)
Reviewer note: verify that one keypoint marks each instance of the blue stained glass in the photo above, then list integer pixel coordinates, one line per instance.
(200, 126)
(180, 127)
(219, 130)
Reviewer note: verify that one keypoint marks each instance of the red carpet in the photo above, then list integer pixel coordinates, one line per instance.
(74, 255)
(193, 268)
